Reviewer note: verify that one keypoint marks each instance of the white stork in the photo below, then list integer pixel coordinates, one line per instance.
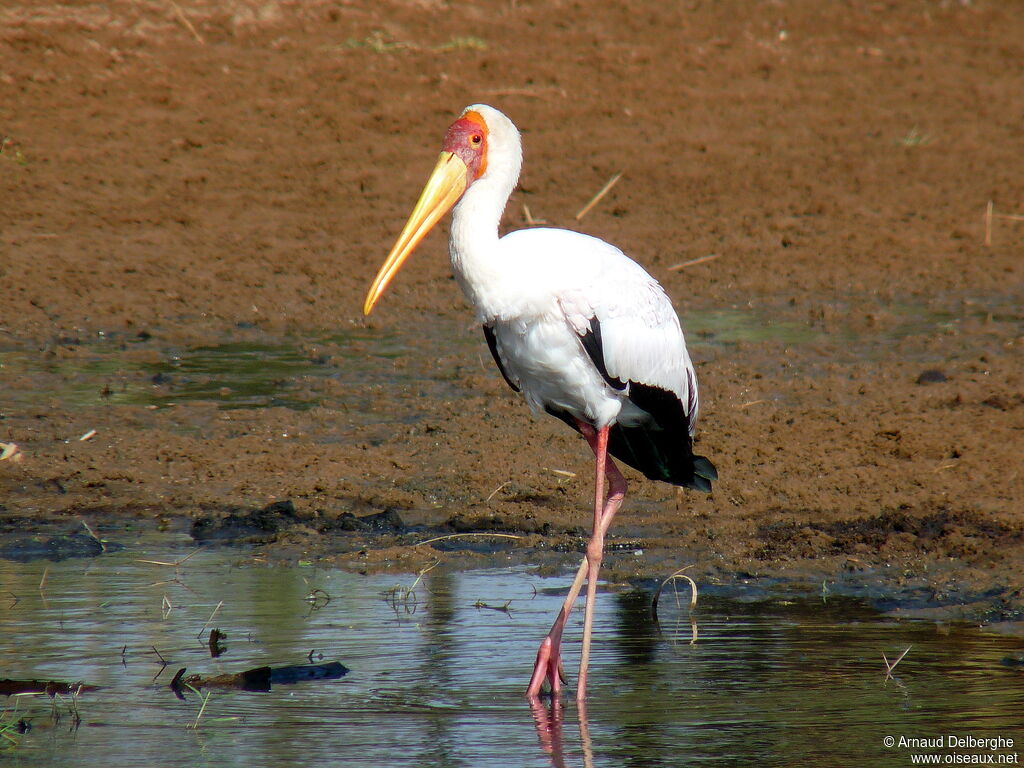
(581, 330)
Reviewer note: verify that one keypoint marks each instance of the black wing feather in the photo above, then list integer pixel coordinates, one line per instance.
(492, 344)
(595, 351)
(661, 448)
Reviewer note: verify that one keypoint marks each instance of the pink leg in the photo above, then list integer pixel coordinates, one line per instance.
(595, 554)
(548, 665)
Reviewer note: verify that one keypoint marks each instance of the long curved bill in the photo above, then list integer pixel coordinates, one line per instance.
(443, 189)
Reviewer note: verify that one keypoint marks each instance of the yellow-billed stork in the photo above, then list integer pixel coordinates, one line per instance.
(577, 327)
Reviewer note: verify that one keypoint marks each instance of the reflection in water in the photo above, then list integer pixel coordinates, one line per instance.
(438, 682)
(549, 719)
(637, 637)
(440, 654)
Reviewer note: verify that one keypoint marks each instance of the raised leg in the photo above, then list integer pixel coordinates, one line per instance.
(548, 665)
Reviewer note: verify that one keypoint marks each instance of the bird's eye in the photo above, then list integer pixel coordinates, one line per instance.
(476, 138)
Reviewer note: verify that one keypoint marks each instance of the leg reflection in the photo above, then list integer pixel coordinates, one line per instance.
(548, 719)
(588, 750)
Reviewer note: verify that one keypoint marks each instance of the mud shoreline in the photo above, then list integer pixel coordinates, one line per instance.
(189, 222)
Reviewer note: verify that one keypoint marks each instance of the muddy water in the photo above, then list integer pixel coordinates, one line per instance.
(248, 369)
(437, 667)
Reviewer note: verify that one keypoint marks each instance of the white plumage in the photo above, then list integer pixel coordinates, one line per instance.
(539, 325)
(579, 328)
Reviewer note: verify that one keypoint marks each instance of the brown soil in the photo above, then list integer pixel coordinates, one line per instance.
(200, 173)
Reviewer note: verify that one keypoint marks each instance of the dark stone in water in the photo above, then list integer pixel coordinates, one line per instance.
(388, 521)
(257, 525)
(60, 547)
(481, 523)
(263, 525)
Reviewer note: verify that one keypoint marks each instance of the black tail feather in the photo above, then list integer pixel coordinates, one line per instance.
(663, 456)
(703, 473)
(657, 453)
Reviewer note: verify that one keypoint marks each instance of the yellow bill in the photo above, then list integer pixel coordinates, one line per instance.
(442, 191)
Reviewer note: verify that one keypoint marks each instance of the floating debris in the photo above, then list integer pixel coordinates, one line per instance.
(216, 643)
(480, 604)
(49, 687)
(260, 679)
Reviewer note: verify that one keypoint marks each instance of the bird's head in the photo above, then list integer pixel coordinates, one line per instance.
(481, 146)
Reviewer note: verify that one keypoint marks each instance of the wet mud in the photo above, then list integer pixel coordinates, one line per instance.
(191, 213)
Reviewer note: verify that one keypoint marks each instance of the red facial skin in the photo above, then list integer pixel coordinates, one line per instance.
(467, 140)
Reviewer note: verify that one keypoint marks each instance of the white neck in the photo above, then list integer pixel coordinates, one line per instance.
(473, 247)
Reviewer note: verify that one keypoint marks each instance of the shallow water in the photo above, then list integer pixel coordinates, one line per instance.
(244, 372)
(250, 370)
(436, 678)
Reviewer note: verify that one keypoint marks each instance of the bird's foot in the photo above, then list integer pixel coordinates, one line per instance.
(548, 667)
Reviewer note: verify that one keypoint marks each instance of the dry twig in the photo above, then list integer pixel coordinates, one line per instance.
(677, 575)
(175, 564)
(404, 595)
(188, 24)
(693, 262)
(530, 221)
(560, 472)
(752, 402)
(93, 534)
(461, 535)
(601, 193)
(693, 599)
(990, 214)
(221, 603)
(496, 490)
(890, 667)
